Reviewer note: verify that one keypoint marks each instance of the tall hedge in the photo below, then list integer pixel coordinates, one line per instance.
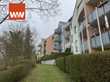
(87, 68)
(60, 63)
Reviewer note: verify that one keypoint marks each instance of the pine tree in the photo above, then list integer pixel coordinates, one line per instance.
(28, 47)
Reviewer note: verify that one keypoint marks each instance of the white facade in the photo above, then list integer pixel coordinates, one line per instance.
(75, 33)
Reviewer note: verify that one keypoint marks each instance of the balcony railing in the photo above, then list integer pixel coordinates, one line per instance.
(92, 17)
(57, 38)
(57, 47)
(95, 42)
(68, 45)
(67, 34)
(84, 46)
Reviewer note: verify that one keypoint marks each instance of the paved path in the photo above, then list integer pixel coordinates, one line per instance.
(46, 73)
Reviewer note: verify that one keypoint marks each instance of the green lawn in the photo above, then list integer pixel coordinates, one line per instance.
(46, 73)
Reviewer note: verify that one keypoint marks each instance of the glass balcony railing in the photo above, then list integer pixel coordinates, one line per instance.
(92, 17)
(106, 38)
(68, 45)
(95, 42)
(85, 45)
(57, 47)
(57, 38)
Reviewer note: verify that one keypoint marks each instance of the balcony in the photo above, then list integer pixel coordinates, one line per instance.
(82, 26)
(58, 31)
(68, 45)
(95, 42)
(57, 38)
(57, 47)
(84, 46)
(92, 17)
(92, 2)
(67, 35)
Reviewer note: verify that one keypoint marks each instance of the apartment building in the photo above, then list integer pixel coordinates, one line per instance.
(49, 45)
(58, 38)
(67, 35)
(46, 46)
(91, 21)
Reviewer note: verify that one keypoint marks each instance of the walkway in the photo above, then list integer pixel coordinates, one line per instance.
(47, 73)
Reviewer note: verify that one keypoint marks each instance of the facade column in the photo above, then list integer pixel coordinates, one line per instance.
(87, 26)
(99, 28)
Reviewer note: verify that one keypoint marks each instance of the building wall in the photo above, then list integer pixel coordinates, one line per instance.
(76, 48)
(49, 45)
(78, 19)
(58, 38)
(85, 22)
(67, 35)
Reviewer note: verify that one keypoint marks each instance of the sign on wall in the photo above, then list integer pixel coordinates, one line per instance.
(17, 11)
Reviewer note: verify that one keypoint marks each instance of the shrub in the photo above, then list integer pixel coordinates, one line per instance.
(15, 73)
(87, 68)
(73, 67)
(55, 56)
(60, 63)
(2, 67)
(70, 65)
(95, 68)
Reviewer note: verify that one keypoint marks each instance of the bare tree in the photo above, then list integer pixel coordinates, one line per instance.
(41, 7)
(45, 7)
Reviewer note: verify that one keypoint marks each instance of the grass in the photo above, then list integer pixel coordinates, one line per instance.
(47, 73)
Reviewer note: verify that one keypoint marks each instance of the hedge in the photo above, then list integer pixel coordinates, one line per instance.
(86, 68)
(54, 56)
(60, 63)
(16, 73)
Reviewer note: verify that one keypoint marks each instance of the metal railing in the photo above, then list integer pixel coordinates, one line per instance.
(92, 17)
(95, 42)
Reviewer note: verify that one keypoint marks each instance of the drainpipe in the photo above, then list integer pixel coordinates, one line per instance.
(99, 28)
(87, 25)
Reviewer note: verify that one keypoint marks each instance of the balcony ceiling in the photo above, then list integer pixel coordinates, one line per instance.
(94, 2)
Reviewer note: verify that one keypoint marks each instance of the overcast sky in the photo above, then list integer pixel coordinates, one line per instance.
(45, 27)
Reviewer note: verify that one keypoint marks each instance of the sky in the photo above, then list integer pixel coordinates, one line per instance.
(44, 26)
